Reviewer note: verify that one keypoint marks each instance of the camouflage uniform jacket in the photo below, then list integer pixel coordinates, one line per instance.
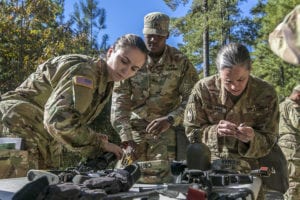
(71, 90)
(159, 89)
(289, 125)
(257, 107)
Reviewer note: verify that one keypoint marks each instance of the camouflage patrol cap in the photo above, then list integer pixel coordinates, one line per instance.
(297, 88)
(285, 39)
(156, 23)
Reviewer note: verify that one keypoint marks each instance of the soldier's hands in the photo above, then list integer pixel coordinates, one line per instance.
(245, 133)
(240, 132)
(226, 128)
(158, 126)
(110, 147)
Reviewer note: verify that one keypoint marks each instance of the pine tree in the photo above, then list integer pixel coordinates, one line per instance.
(89, 20)
(221, 20)
(266, 64)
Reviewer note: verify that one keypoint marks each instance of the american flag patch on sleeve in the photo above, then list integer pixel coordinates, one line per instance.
(83, 81)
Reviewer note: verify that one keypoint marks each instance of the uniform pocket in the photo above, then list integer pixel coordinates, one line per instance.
(13, 163)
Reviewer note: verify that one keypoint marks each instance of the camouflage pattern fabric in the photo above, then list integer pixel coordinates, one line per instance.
(285, 39)
(13, 163)
(152, 171)
(54, 106)
(156, 23)
(155, 148)
(257, 107)
(159, 89)
(289, 141)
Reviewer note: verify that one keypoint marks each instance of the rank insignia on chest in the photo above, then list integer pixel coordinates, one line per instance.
(220, 109)
(216, 108)
(171, 67)
(83, 81)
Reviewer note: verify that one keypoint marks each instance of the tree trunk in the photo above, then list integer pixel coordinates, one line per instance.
(205, 43)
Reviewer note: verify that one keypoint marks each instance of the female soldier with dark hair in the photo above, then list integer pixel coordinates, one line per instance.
(234, 113)
(52, 109)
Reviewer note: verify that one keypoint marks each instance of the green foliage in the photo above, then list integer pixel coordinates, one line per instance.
(25, 31)
(88, 20)
(224, 23)
(266, 64)
(173, 4)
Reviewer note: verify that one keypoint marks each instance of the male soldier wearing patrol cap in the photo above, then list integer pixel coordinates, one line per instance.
(285, 39)
(289, 141)
(147, 109)
(52, 109)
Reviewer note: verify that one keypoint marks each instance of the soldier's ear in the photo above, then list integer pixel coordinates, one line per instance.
(109, 52)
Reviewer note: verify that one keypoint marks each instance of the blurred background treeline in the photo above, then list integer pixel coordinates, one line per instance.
(32, 31)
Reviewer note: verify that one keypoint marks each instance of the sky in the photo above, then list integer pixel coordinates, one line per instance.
(126, 16)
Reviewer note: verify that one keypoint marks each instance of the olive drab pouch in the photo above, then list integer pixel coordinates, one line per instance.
(155, 171)
(13, 163)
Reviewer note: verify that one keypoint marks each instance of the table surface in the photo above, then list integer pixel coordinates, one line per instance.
(9, 186)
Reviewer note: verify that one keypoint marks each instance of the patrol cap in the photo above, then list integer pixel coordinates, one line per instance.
(156, 23)
(285, 39)
(297, 88)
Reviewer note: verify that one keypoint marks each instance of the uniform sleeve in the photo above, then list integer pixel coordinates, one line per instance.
(266, 130)
(198, 128)
(64, 115)
(294, 116)
(189, 79)
(121, 110)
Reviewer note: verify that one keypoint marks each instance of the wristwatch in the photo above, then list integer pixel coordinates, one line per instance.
(170, 119)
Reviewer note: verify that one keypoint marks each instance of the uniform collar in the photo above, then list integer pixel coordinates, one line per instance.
(160, 61)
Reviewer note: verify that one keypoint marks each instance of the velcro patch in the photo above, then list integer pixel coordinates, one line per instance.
(190, 115)
(83, 81)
